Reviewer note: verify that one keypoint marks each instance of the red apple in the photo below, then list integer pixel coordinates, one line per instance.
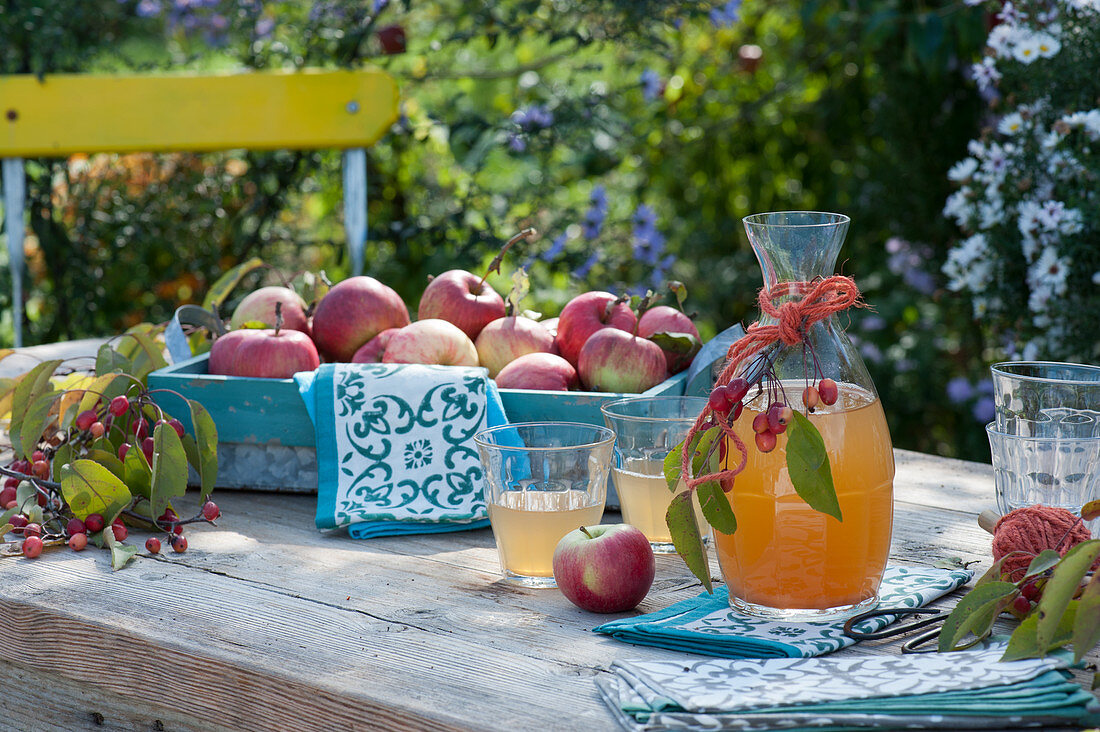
(432, 341)
(275, 354)
(614, 360)
(543, 371)
(223, 353)
(460, 297)
(604, 569)
(372, 350)
(353, 312)
(506, 339)
(584, 315)
(665, 319)
(259, 306)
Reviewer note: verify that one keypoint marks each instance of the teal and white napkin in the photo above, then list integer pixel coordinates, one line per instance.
(963, 690)
(707, 624)
(395, 449)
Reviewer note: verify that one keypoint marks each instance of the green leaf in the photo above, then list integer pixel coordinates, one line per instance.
(206, 438)
(169, 468)
(1086, 626)
(686, 537)
(679, 291)
(96, 391)
(35, 420)
(681, 343)
(672, 466)
(5, 528)
(1061, 587)
(147, 356)
(121, 553)
(89, 488)
(219, 291)
(137, 473)
(1025, 641)
(716, 507)
(975, 613)
(63, 455)
(808, 467)
(33, 385)
(108, 459)
(1090, 510)
(1043, 561)
(108, 360)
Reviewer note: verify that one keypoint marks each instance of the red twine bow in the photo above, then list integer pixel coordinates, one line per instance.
(824, 297)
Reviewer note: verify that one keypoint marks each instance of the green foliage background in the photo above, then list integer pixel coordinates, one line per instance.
(856, 106)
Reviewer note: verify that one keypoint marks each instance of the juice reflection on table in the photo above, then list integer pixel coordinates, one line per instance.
(786, 555)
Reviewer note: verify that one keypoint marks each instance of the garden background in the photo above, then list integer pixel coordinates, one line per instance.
(633, 135)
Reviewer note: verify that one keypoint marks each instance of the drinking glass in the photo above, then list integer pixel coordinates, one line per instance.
(1047, 399)
(543, 480)
(646, 430)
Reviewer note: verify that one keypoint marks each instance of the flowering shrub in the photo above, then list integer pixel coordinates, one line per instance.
(1027, 199)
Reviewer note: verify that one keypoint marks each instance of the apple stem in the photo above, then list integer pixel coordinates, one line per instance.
(494, 266)
(586, 532)
(278, 317)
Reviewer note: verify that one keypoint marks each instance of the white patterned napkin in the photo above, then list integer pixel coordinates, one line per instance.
(395, 451)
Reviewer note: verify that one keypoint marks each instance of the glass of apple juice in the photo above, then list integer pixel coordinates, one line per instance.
(542, 480)
(646, 430)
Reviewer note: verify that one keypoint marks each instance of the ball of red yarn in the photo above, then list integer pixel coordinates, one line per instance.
(1031, 530)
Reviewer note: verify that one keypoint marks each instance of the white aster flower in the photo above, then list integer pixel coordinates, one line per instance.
(1050, 214)
(962, 170)
(1047, 279)
(1048, 45)
(1010, 14)
(1025, 48)
(985, 73)
(1011, 123)
(1001, 40)
(1096, 277)
(991, 212)
(1071, 222)
(959, 207)
(1092, 124)
(968, 266)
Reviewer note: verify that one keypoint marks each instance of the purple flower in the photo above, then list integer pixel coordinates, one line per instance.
(380, 5)
(959, 390)
(651, 85)
(896, 244)
(148, 8)
(593, 222)
(582, 271)
(871, 352)
(921, 281)
(533, 118)
(872, 323)
(556, 248)
(516, 143)
(598, 198)
(984, 410)
(726, 15)
(264, 27)
(985, 386)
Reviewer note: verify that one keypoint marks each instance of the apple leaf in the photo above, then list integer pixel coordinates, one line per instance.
(121, 553)
(975, 613)
(1043, 561)
(108, 361)
(679, 291)
(32, 386)
(808, 467)
(1061, 587)
(716, 507)
(1091, 510)
(686, 537)
(169, 468)
(1086, 626)
(1025, 641)
(521, 285)
(89, 488)
(37, 416)
(107, 459)
(219, 291)
(672, 466)
(146, 354)
(681, 343)
(137, 473)
(206, 440)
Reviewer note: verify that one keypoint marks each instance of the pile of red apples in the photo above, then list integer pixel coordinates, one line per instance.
(597, 343)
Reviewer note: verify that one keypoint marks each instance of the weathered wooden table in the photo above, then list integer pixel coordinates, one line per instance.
(266, 624)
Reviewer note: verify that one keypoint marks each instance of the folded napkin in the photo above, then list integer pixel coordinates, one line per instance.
(707, 624)
(395, 450)
(962, 690)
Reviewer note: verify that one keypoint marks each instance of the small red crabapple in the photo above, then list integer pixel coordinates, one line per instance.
(94, 522)
(98, 429)
(765, 441)
(75, 526)
(77, 542)
(810, 397)
(179, 544)
(32, 530)
(118, 406)
(85, 419)
(760, 423)
(719, 400)
(152, 545)
(828, 391)
(32, 547)
(210, 511)
(119, 530)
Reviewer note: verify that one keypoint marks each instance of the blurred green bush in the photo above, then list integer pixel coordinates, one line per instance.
(632, 134)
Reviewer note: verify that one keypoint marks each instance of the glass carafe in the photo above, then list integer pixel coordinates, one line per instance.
(787, 560)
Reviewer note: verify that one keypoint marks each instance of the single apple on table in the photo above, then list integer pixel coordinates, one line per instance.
(462, 298)
(541, 371)
(431, 341)
(353, 312)
(505, 339)
(584, 315)
(373, 350)
(607, 568)
(617, 361)
(259, 306)
(666, 319)
(275, 354)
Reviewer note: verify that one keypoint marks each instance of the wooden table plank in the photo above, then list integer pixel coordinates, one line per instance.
(266, 623)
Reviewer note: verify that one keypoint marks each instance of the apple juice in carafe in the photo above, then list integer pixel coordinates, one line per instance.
(785, 554)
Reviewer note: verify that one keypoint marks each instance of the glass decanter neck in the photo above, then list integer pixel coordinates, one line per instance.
(796, 246)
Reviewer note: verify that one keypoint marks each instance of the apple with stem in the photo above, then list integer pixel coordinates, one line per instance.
(607, 568)
(584, 315)
(541, 371)
(617, 361)
(684, 341)
(431, 341)
(223, 352)
(259, 306)
(353, 312)
(506, 339)
(276, 353)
